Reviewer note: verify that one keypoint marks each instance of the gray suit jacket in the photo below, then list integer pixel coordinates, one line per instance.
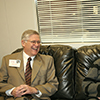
(43, 74)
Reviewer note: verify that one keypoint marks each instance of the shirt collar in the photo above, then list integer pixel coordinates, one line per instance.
(27, 56)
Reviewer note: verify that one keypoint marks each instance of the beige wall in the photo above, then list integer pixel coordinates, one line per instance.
(15, 17)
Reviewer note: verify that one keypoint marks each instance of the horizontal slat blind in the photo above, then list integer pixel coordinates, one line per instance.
(69, 20)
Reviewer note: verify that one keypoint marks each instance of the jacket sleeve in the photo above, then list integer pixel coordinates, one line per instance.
(51, 85)
(4, 86)
(91, 82)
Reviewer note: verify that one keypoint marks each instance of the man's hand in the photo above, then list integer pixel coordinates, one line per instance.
(99, 98)
(22, 90)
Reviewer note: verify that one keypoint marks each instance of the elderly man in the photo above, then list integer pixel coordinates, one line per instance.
(28, 75)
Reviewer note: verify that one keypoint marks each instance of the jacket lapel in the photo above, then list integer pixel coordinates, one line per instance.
(21, 68)
(36, 66)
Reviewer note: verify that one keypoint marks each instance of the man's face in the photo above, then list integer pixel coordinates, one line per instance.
(32, 46)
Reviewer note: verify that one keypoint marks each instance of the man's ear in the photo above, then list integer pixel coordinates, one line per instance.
(23, 43)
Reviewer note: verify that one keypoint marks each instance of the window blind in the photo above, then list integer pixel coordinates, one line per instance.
(68, 20)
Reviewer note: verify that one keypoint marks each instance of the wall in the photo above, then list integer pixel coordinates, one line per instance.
(15, 17)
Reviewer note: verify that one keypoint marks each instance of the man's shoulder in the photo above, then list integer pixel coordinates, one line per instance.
(43, 56)
(12, 55)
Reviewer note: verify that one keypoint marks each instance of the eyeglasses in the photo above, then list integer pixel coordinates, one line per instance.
(34, 42)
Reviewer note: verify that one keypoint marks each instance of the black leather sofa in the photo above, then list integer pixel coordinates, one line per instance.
(71, 66)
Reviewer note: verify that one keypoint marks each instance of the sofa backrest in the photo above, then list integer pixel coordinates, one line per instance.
(85, 56)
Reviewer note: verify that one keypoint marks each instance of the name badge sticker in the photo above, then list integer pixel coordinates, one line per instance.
(14, 63)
